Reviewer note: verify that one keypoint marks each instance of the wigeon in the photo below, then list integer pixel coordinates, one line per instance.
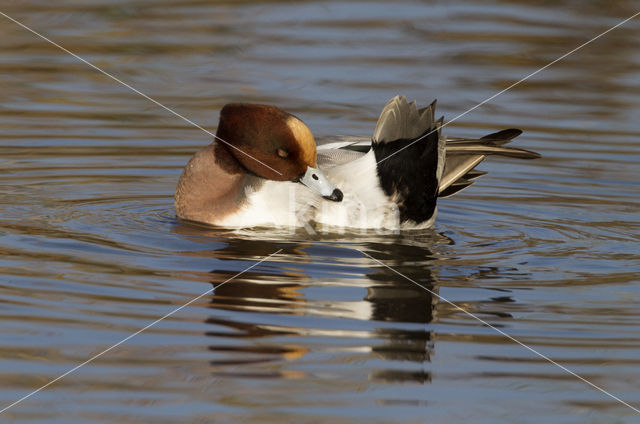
(264, 169)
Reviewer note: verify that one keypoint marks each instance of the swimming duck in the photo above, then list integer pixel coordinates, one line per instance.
(264, 169)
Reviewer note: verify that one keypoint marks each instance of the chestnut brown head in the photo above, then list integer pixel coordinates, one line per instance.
(273, 144)
(262, 135)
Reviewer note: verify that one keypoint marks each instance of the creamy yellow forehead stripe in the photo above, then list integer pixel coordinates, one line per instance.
(305, 140)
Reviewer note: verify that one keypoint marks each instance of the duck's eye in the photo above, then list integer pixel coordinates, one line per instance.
(282, 153)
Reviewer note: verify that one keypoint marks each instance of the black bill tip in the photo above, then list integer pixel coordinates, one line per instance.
(336, 196)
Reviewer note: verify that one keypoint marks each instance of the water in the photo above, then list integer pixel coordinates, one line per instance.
(547, 250)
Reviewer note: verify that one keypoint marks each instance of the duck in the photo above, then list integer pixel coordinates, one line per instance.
(264, 169)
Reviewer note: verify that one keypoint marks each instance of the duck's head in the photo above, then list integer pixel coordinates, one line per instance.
(273, 144)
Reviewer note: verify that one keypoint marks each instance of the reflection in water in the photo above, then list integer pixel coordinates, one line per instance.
(289, 292)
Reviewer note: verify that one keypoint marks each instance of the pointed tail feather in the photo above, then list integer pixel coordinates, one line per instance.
(463, 155)
(483, 149)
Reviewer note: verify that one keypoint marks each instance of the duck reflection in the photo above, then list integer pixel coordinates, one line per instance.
(313, 305)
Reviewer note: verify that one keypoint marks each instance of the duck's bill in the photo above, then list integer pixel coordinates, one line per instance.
(315, 180)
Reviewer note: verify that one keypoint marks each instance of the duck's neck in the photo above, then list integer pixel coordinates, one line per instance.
(211, 186)
(225, 160)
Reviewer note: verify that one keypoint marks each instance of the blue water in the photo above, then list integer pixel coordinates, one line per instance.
(546, 251)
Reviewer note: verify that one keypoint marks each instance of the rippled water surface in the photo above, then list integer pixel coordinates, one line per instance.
(546, 251)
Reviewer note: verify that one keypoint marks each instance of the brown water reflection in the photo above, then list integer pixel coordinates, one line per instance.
(91, 251)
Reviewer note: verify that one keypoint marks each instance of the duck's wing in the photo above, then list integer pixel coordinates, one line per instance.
(343, 142)
(410, 155)
(330, 158)
(341, 152)
(463, 155)
(402, 120)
